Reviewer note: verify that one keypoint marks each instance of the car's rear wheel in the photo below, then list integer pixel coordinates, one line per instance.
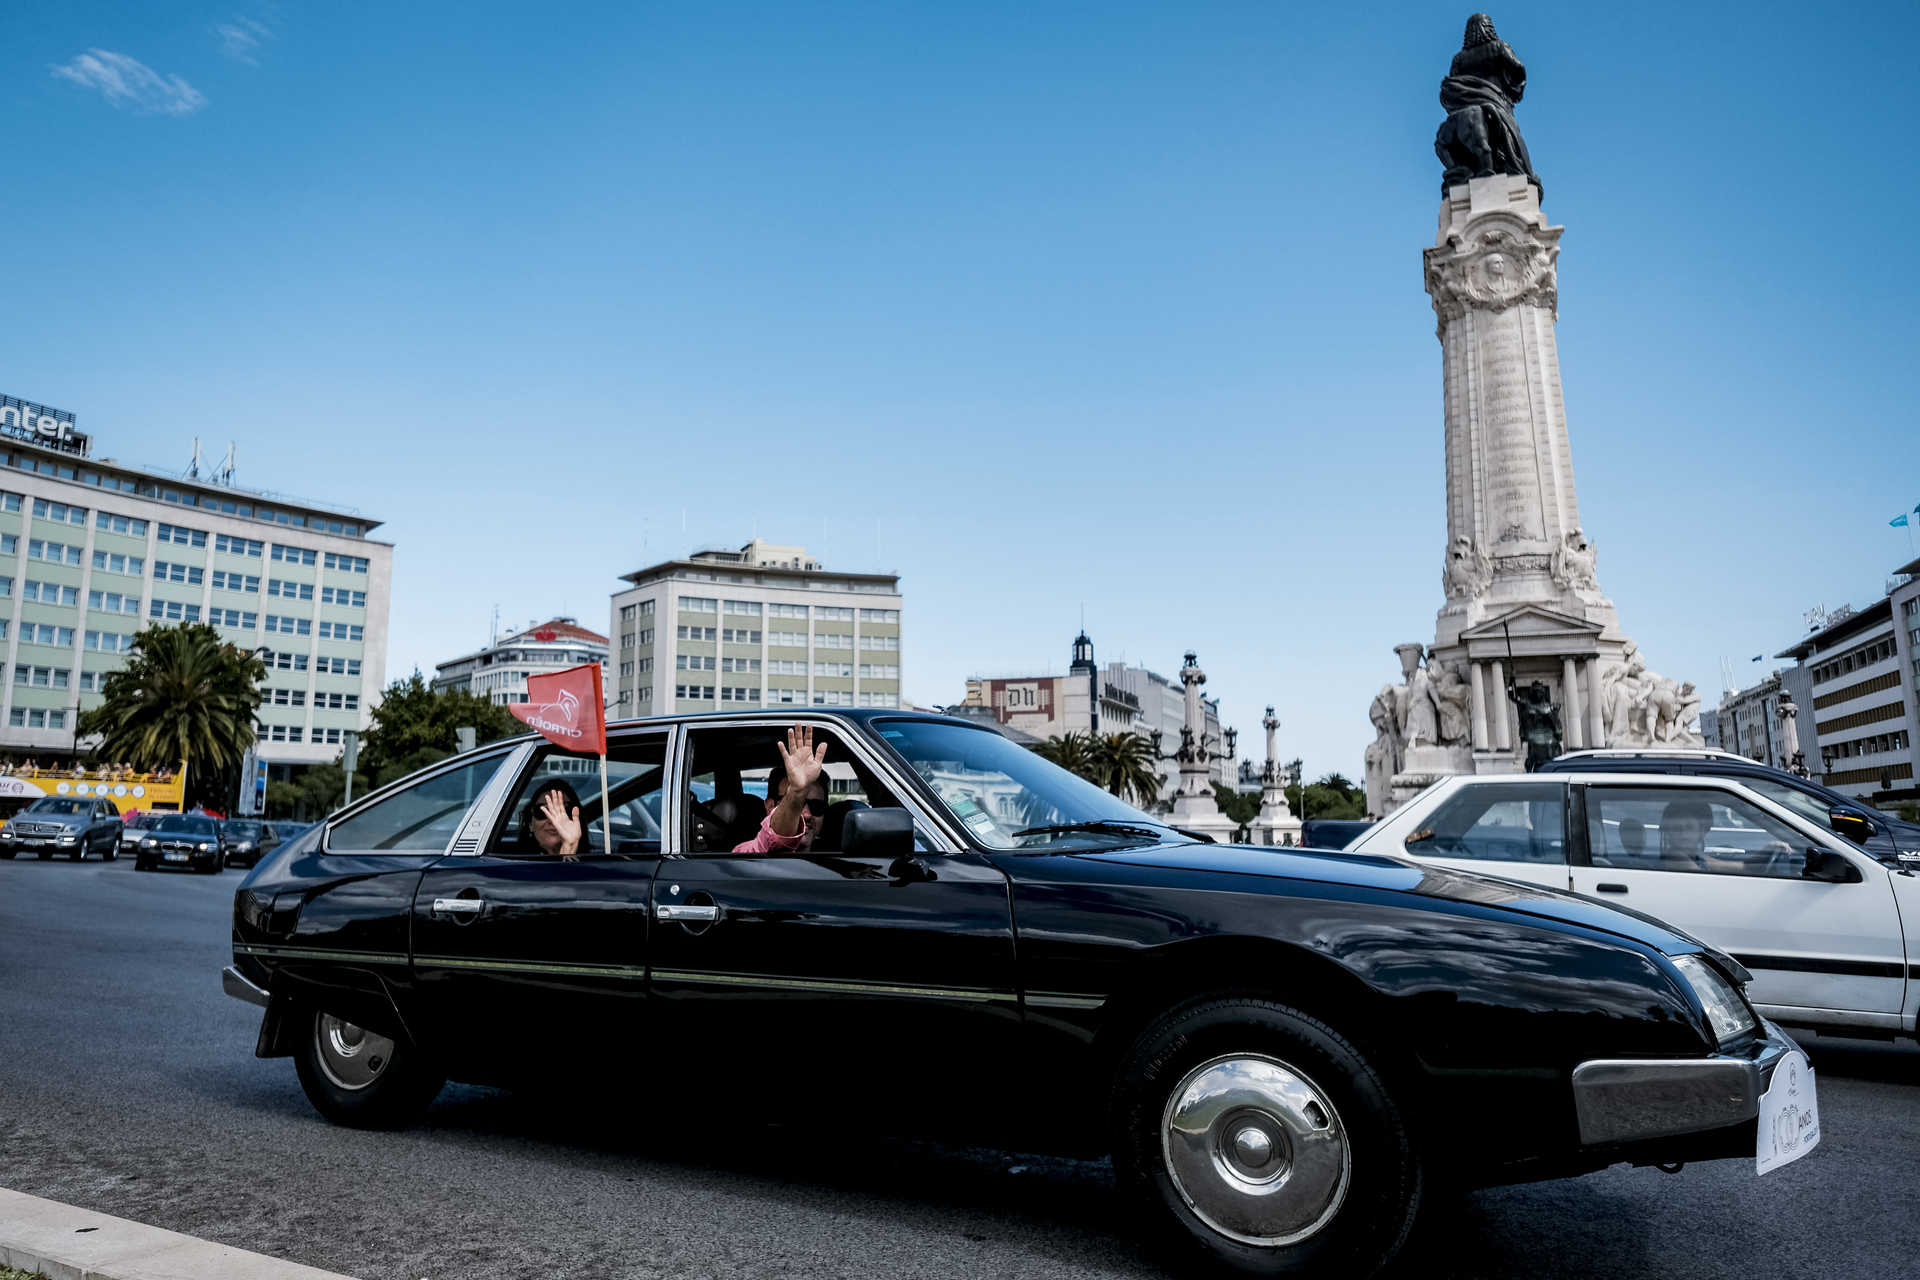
(1256, 1136)
(361, 1079)
(111, 850)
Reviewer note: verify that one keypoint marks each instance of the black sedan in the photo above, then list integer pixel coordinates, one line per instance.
(181, 840)
(1283, 1050)
(247, 841)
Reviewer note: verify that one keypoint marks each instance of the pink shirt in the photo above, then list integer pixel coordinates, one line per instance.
(767, 840)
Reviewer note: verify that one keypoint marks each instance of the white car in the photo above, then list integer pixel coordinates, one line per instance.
(1814, 918)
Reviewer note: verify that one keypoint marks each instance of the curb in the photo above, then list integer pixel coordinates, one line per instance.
(69, 1243)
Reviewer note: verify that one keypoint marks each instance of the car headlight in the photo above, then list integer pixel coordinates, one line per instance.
(1726, 1011)
(149, 843)
(68, 838)
(5, 834)
(205, 847)
(243, 846)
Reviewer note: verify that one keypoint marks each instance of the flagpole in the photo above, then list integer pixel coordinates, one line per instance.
(606, 823)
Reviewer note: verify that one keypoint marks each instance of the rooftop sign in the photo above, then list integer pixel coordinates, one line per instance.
(37, 424)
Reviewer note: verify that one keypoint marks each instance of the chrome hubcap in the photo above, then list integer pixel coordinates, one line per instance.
(352, 1057)
(1256, 1149)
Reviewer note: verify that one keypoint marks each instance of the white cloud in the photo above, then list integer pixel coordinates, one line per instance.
(128, 82)
(241, 39)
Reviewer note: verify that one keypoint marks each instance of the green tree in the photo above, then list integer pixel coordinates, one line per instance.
(1071, 751)
(1241, 806)
(1124, 764)
(314, 792)
(184, 697)
(1333, 796)
(413, 726)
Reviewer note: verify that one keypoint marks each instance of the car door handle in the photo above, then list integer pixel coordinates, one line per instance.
(458, 906)
(686, 914)
(1611, 888)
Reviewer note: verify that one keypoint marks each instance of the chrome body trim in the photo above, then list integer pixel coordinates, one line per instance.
(458, 906)
(682, 913)
(1631, 1099)
(237, 985)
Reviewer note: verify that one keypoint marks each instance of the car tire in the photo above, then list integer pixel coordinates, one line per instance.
(141, 864)
(112, 851)
(80, 852)
(359, 1079)
(1254, 1136)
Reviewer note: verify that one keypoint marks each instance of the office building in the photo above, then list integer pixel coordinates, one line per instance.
(763, 626)
(92, 550)
(1861, 669)
(499, 672)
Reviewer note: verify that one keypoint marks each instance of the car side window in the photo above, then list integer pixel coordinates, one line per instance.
(1689, 829)
(730, 770)
(421, 818)
(1807, 806)
(636, 785)
(1518, 822)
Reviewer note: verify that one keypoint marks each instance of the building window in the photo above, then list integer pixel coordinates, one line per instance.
(832, 640)
(109, 641)
(238, 546)
(42, 677)
(107, 521)
(831, 613)
(879, 615)
(694, 692)
(340, 595)
(345, 564)
(879, 671)
(107, 563)
(699, 604)
(833, 668)
(173, 611)
(744, 608)
(294, 555)
(233, 618)
(730, 694)
(185, 537)
(696, 633)
(786, 611)
(49, 592)
(342, 631)
(739, 635)
(289, 626)
(57, 552)
(59, 512)
(887, 644)
(290, 590)
(289, 661)
(90, 681)
(165, 572)
(225, 581)
(693, 662)
(741, 665)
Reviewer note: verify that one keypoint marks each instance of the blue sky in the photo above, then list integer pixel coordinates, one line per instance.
(1113, 307)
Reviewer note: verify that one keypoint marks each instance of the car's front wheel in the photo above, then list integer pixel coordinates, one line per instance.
(361, 1079)
(1256, 1136)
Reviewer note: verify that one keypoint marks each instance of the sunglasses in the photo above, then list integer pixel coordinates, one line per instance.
(818, 808)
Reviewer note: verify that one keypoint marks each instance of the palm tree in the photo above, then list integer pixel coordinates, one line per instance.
(1071, 751)
(1123, 763)
(184, 695)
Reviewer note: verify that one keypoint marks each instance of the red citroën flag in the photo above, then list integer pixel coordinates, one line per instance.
(568, 709)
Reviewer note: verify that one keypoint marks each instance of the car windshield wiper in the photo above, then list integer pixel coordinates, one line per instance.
(1098, 826)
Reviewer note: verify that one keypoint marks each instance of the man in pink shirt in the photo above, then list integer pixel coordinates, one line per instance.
(796, 796)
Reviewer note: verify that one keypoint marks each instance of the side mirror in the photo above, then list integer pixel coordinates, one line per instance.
(877, 833)
(1855, 826)
(1825, 864)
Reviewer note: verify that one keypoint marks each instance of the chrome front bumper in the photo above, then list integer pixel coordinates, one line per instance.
(236, 985)
(1632, 1099)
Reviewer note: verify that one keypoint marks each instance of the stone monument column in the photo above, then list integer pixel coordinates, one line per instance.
(1523, 607)
(1194, 806)
(1275, 823)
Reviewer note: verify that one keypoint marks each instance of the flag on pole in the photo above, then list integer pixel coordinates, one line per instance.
(1899, 521)
(568, 709)
(565, 707)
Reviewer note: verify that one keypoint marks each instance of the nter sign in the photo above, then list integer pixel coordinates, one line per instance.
(37, 424)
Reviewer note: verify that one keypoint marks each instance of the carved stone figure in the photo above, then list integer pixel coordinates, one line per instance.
(1453, 695)
(1480, 137)
(1467, 572)
(1385, 754)
(1670, 711)
(1420, 723)
(1624, 687)
(1574, 563)
(1539, 723)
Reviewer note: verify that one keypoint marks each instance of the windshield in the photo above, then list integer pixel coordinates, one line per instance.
(55, 804)
(187, 825)
(244, 830)
(1004, 794)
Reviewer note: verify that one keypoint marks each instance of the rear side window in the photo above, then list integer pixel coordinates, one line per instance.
(1523, 822)
(421, 818)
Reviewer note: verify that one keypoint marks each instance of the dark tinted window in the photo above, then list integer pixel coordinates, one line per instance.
(244, 830)
(1518, 822)
(185, 824)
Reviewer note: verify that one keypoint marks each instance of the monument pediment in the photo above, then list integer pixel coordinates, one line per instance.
(1533, 631)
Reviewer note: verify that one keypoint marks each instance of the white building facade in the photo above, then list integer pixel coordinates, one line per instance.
(499, 672)
(763, 626)
(92, 550)
(1864, 696)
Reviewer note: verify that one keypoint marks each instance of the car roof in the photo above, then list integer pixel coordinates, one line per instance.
(1655, 753)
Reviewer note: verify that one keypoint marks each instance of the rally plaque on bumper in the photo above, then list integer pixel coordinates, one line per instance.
(1789, 1115)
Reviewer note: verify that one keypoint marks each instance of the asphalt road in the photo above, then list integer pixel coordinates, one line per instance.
(128, 1085)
